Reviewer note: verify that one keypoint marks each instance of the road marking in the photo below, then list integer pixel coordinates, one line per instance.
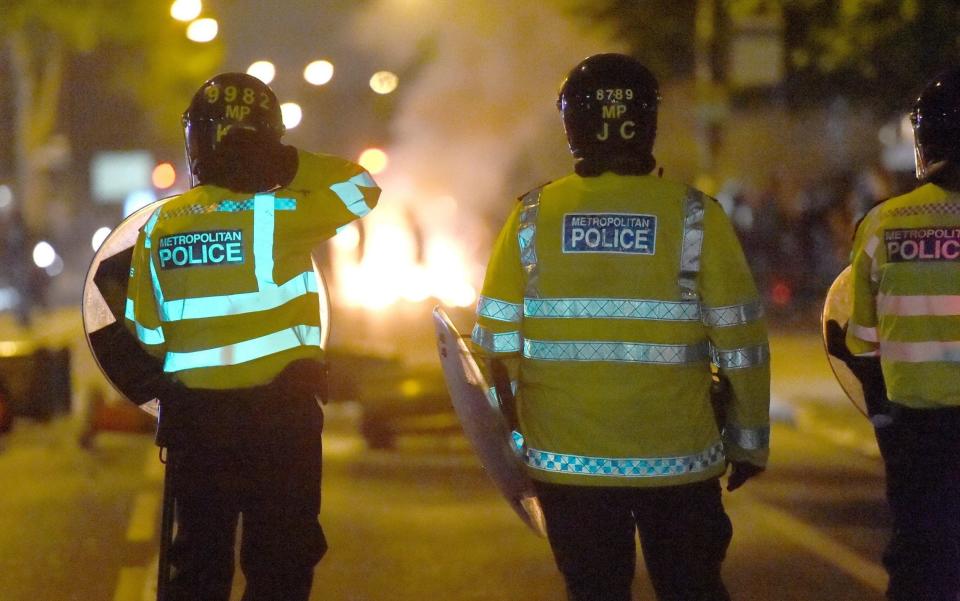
(802, 534)
(143, 518)
(153, 467)
(130, 584)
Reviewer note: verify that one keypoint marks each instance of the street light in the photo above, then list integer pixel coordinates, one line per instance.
(265, 71)
(318, 72)
(185, 10)
(373, 160)
(384, 82)
(164, 175)
(291, 114)
(203, 30)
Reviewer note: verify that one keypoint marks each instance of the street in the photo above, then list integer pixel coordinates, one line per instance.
(423, 521)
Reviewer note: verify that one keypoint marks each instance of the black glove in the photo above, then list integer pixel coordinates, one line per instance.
(740, 472)
(866, 369)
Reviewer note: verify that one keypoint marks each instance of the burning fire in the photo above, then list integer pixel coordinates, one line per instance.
(394, 260)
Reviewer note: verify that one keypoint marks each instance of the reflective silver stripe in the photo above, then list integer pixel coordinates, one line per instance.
(505, 342)
(934, 304)
(269, 297)
(692, 243)
(633, 352)
(351, 195)
(145, 334)
(740, 358)
(617, 308)
(625, 467)
(733, 315)
(870, 249)
(526, 238)
(921, 352)
(248, 350)
(752, 439)
(499, 310)
(863, 332)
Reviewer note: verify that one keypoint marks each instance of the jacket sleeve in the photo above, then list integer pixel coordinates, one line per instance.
(862, 328)
(337, 192)
(733, 316)
(498, 330)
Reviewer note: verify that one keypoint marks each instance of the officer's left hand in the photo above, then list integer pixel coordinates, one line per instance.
(740, 472)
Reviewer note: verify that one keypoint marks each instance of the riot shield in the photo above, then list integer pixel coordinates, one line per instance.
(484, 424)
(105, 293)
(838, 307)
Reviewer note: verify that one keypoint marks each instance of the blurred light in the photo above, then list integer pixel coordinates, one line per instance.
(164, 175)
(291, 113)
(262, 70)
(185, 10)
(384, 82)
(373, 160)
(138, 199)
(55, 268)
(347, 238)
(318, 72)
(6, 196)
(43, 255)
(203, 30)
(99, 236)
(781, 295)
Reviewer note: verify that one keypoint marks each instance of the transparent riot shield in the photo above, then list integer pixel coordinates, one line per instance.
(105, 291)
(838, 307)
(479, 412)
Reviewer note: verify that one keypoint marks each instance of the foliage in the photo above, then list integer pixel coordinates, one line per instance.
(877, 51)
(151, 60)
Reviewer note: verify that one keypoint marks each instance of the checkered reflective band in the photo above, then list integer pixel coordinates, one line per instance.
(625, 467)
(497, 309)
(611, 308)
(632, 352)
(740, 358)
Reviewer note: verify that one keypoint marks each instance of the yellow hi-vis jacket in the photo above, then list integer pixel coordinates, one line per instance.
(906, 295)
(608, 297)
(222, 288)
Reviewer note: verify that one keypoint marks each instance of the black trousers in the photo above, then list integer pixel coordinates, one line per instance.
(243, 453)
(684, 533)
(921, 452)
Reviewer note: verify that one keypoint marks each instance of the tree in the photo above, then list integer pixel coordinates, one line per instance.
(153, 63)
(877, 52)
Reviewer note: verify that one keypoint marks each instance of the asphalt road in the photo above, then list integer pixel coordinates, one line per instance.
(423, 521)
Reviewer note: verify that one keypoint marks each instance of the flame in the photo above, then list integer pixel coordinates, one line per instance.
(397, 262)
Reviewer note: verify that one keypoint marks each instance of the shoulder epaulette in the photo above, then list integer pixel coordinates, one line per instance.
(533, 189)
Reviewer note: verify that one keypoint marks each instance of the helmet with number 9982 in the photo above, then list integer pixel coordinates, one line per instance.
(224, 102)
(609, 107)
(936, 124)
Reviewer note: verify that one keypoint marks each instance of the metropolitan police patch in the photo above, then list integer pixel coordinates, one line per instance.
(189, 249)
(922, 244)
(624, 233)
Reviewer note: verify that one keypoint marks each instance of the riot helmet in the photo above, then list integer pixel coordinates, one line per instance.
(936, 124)
(609, 107)
(236, 103)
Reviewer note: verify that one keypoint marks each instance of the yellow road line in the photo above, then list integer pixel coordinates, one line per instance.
(152, 467)
(144, 517)
(130, 584)
(802, 534)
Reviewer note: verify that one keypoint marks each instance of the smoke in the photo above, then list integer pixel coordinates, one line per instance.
(475, 112)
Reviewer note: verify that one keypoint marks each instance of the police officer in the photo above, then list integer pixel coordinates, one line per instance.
(223, 293)
(608, 295)
(904, 343)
